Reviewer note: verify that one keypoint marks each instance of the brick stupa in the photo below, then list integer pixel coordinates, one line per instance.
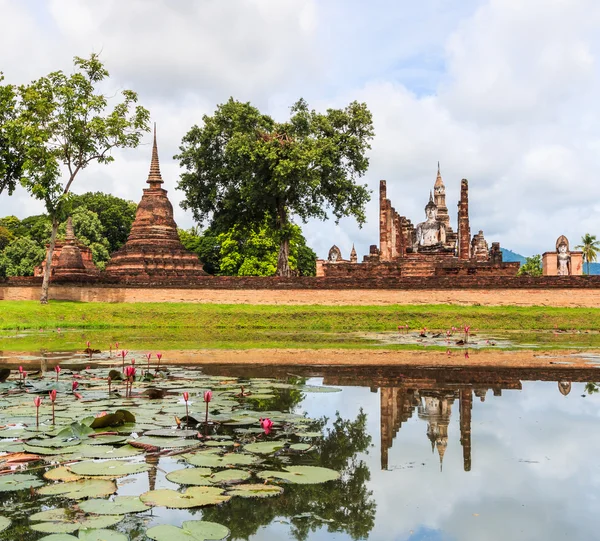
(153, 249)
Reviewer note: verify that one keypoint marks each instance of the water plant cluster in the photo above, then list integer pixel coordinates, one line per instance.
(71, 439)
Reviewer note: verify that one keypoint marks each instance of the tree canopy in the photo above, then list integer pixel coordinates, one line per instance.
(60, 124)
(531, 267)
(242, 168)
(240, 251)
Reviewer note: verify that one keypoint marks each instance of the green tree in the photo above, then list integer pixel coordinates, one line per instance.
(12, 154)
(64, 123)
(21, 256)
(6, 237)
(115, 214)
(589, 246)
(241, 166)
(531, 267)
(241, 251)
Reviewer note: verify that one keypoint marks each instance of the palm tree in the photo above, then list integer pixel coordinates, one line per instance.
(590, 247)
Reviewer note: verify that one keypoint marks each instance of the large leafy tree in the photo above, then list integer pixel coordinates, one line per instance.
(63, 125)
(241, 166)
(241, 251)
(12, 154)
(531, 267)
(590, 247)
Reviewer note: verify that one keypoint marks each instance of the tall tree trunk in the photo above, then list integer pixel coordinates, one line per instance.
(46, 281)
(283, 260)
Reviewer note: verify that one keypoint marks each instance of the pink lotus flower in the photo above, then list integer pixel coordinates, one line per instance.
(37, 402)
(57, 370)
(207, 399)
(20, 369)
(186, 396)
(52, 394)
(24, 375)
(207, 396)
(159, 357)
(74, 386)
(266, 425)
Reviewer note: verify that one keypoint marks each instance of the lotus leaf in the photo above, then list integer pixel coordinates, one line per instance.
(4, 523)
(193, 497)
(210, 460)
(106, 451)
(255, 491)
(302, 475)
(57, 443)
(191, 530)
(190, 476)
(19, 481)
(62, 473)
(120, 506)
(119, 417)
(48, 450)
(105, 440)
(67, 521)
(108, 467)
(265, 447)
(229, 476)
(173, 432)
(101, 535)
(82, 488)
(162, 442)
(319, 389)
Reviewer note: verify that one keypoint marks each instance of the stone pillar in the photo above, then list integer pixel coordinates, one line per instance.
(384, 241)
(386, 420)
(464, 230)
(400, 241)
(466, 405)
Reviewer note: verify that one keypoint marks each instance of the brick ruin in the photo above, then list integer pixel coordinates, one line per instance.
(432, 248)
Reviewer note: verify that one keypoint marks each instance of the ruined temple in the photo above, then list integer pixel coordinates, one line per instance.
(71, 260)
(153, 249)
(429, 248)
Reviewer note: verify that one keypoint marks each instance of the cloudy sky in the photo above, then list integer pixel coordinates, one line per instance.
(501, 92)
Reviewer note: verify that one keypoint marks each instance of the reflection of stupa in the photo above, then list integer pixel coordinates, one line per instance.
(436, 410)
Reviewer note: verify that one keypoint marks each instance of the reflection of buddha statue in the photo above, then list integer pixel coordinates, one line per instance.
(430, 232)
(563, 256)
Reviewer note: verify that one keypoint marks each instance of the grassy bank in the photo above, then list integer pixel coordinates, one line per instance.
(28, 326)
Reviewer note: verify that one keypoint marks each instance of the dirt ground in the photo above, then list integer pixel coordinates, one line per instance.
(332, 357)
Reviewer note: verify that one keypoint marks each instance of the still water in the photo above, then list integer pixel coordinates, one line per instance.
(424, 455)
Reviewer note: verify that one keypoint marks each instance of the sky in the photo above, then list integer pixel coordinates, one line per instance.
(501, 92)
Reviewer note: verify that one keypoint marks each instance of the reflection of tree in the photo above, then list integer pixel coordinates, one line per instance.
(343, 505)
(592, 388)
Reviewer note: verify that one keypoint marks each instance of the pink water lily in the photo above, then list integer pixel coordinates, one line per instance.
(207, 399)
(37, 402)
(207, 396)
(74, 386)
(266, 425)
(159, 357)
(57, 370)
(52, 394)
(186, 397)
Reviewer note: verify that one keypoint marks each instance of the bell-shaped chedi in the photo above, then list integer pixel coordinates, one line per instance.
(71, 261)
(153, 249)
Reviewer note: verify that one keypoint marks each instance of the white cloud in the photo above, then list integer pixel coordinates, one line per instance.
(502, 92)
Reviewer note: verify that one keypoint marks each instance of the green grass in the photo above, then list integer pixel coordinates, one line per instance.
(184, 326)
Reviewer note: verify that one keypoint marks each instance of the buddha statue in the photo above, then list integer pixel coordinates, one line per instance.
(430, 232)
(335, 255)
(563, 257)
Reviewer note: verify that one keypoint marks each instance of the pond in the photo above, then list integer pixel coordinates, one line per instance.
(383, 454)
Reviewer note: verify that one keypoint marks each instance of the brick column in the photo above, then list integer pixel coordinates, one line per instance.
(384, 240)
(464, 230)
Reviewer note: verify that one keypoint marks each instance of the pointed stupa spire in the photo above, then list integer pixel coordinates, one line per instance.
(154, 177)
(70, 235)
(438, 180)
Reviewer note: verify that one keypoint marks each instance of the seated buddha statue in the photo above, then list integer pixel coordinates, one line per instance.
(563, 257)
(430, 232)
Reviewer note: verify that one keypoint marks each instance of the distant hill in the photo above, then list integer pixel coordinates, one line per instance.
(509, 255)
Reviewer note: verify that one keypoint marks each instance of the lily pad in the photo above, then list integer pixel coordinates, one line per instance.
(255, 491)
(120, 506)
(83, 488)
(191, 530)
(19, 481)
(165, 442)
(108, 451)
(190, 476)
(193, 497)
(265, 447)
(215, 461)
(230, 476)
(302, 475)
(106, 440)
(4, 523)
(108, 467)
(300, 446)
(119, 417)
(66, 521)
(62, 473)
(172, 433)
(101, 535)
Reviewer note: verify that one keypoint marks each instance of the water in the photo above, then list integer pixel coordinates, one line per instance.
(424, 455)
